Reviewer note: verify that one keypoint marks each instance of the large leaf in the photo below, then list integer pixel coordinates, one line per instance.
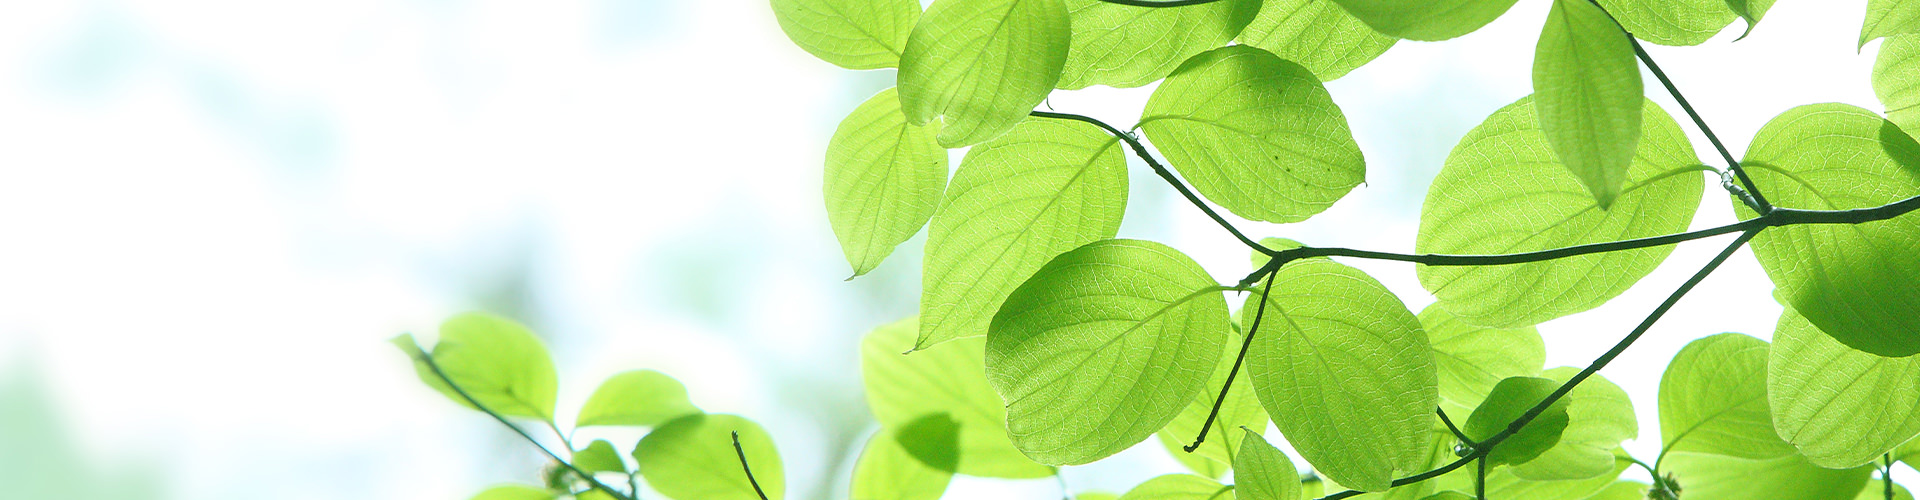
(1877, 490)
(1316, 34)
(1838, 406)
(1705, 476)
(1471, 359)
(949, 379)
(884, 178)
(912, 462)
(1128, 46)
(1047, 187)
(495, 360)
(983, 64)
(1255, 133)
(639, 397)
(1503, 191)
(1427, 20)
(1672, 22)
(1888, 18)
(1240, 409)
(1854, 281)
(1599, 417)
(1503, 484)
(1262, 472)
(1622, 490)
(1751, 11)
(1345, 371)
(854, 34)
(514, 492)
(1896, 79)
(692, 458)
(1510, 400)
(1586, 84)
(1713, 399)
(1102, 347)
(1180, 487)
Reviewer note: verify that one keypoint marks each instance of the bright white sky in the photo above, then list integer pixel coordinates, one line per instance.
(216, 211)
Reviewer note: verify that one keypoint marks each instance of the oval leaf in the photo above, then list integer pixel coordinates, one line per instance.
(515, 492)
(1427, 20)
(1128, 46)
(599, 456)
(1838, 406)
(1587, 85)
(497, 361)
(1240, 409)
(1896, 80)
(1262, 472)
(949, 379)
(1888, 18)
(1292, 154)
(640, 397)
(1672, 22)
(913, 462)
(1713, 399)
(983, 64)
(1510, 399)
(1750, 10)
(1179, 487)
(693, 457)
(854, 34)
(1599, 417)
(1316, 34)
(1705, 476)
(1470, 360)
(884, 179)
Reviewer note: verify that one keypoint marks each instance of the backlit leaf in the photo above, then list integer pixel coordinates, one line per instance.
(1673, 22)
(1471, 359)
(1586, 84)
(1511, 399)
(884, 179)
(1127, 46)
(599, 456)
(692, 458)
(1241, 408)
(640, 397)
(1896, 79)
(948, 379)
(854, 34)
(1262, 472)
(1719, 477)
(1838, 406)
(1316, 34)
(911, 462)
(1876, 490)
(983, 64)
(1750, 10)
(515, 492)
(493, 359)
(1180, 487)
(1426, 19)
(1599, 417)
(1888, 18)
(1713, 399)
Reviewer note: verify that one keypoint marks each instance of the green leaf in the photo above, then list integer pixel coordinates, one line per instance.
(1047, 187)
(641, 397)
(1240, 409)
(1470, 360)
(594, 494)
(1255, 133)
(884, 179)
(1095, 495)
(1102, 347)
(1751, 11)
(1510, 399)
(1426, 20)
(1316, 34)
(1179, 487)
(1345, 371)
(1719, 477)
(1896, 80)
(1599, 417)
(1888, 18)
(1672, 22)
(514, 492)
(1127, 46)
(854, 34)
(912, 462)
(495, 360)
(692, 458)
(1854, 281)
(1876, 489)
(1262, 472)
(1587, 84)
(1622, 490)
(1503, 484)
(1838, 406)
(599, 456)
(983, 64)
(947, 379)
(1449, 495)
(1502, 192)
(1713, 399)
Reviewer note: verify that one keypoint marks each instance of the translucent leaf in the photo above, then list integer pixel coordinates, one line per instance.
(594, 494)
(692, 458)
(1262, 472)
(1471, 359)
(1179, 487)
(854, 34)
(1673, 22)
(1510, 399)
(1888, 18)
(1838, 406)
(1502, 191)
(1345, 372)
(1720, 477)
(1876, 490)
(1854, 281)
(1449, 495)
(1254, 133)
(514, 492)
(946, 379)
(640, 397)
(1127, 46)
(1241, 408)
(912, 462)
(1047, 187)
(495, 360)
(599, 456)
(1503, 484)
(1586, 83)
(1095, 495)
(1599, 417)
(1750, 10)
(884, 179)
(1102, 347)
(1622, 490)
(983, 64)
(1713, 399)
(1427, 20)
(1316, 34)
(1896, 79)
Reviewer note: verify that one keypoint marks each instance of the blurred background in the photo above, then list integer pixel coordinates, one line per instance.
(214, 212)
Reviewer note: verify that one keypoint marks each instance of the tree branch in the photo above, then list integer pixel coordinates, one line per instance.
(745, 468)
(1163, 3)
(1462, 436)
(1245, 343)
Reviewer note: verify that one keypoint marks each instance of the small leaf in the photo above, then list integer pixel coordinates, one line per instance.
(913, 462)
(1838, 406)
(946, 379)
(1599, 417)
(1853, 281)
(1102, 347)
(1262, 472)
(1876, 490)
(1718, 477)
(1240, 409)
(1316, 34)
(1292, 154)
(693, 457)
(1179, 487)
(1673, 22)
(854, 34)
(493, 359)
(1751, 11)
(1470, 360)
(983, 64)
(1888, 18)
(1426, 20)
(1587, 84)
(1896, 80)
(1713, 399)
(515, 492)
(1047, 187)
(1510, 399)
(1503, 484)
(1129, 46)
(884, 179)
(599, 456)
(641, 397)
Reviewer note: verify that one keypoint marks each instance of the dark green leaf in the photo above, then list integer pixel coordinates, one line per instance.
(1587, 86)
(983, 64)
(1510, 399)
(1316, 34)
(640, 397)
(854, 34)
(1599, 417)
(692, 458)
(1128, 46)
(884, 179)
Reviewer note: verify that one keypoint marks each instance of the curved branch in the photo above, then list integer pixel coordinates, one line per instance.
(1162, 3)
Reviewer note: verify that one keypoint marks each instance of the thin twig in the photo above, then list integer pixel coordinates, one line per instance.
(1456, 430)
(1165, 3)
(1245, 343)
(745, 468)
(1751, 195)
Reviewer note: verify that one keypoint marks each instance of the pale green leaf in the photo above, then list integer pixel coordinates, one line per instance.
(1254, 133)
(1888, 18)
(1104, 346)
(1180, 487)
(692, 458)
(1450, 495)
(1128, 46)
(982, 64)
(1047, 187)
(1713, 399)
(1503, 191)
(1427, 20)
(1599, 417)
(1509, 400)
(884, 179)
(949, 379)
(1441, 451)
(1263, 472)
(495, 360)
(1471, 359)
(911, 462)
(1316, 34)
(854, 34)
(1240, 409)
(1345, 372)
(1838, 406)
(1095, 495)
(1719, 477)
(594, 494)
(1586, 83)
(1672, 22)
(640, 397)
(1854, 281)
(599, 456)
(1896, 79)
(514, 492)
(1749, 10)
(1876, 489)
(1622, 490)
(1503, 484)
